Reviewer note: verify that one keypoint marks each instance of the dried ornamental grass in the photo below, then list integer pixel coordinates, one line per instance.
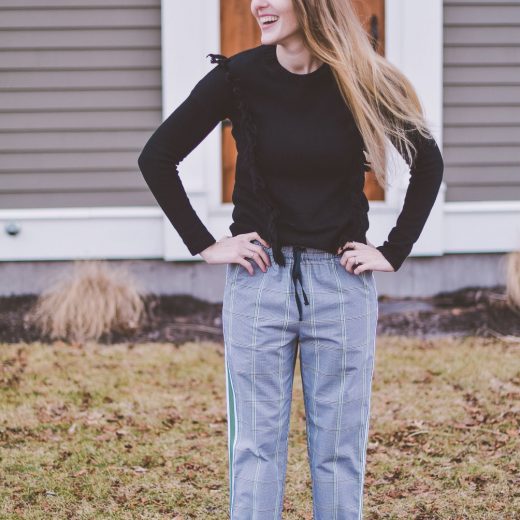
(94, 299)
(513, 279)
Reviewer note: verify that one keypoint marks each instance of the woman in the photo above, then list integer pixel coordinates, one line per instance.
(308, 107)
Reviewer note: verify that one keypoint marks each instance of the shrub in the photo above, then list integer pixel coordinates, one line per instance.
(513, 279)
(91, 299)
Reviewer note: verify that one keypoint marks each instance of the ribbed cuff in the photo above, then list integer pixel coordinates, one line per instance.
(199, 243)
(395, 256)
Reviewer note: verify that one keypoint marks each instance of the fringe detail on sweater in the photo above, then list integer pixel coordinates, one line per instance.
(272, 212)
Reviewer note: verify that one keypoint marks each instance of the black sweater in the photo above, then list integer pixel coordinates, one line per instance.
(300, 166)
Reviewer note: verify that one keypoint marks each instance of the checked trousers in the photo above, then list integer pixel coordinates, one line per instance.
(264, 324)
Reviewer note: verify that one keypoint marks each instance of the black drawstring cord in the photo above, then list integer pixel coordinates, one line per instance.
(297, 275)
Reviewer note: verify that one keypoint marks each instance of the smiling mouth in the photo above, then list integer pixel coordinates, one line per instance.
(268, 22)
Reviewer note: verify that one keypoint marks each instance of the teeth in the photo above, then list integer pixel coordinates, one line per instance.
(268, 19)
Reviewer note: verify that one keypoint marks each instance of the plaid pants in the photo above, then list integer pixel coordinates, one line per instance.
(264, 321)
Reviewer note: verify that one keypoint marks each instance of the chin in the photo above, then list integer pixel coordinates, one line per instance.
(271, 39)
(268, 39)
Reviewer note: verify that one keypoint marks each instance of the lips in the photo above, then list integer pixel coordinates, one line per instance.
(265, 25)
(267, 19)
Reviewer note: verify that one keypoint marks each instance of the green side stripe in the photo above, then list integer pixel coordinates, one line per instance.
(231, 431)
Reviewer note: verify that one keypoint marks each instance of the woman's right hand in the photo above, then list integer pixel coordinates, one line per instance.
(236, 249)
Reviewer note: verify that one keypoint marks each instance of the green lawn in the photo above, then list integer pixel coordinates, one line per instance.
(139, 431)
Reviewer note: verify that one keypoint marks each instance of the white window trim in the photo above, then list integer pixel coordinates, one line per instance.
(81, 233)
(406, 23)
(138, 232)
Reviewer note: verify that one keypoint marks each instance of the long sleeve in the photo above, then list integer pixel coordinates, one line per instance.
(425, 181)
(208, 103)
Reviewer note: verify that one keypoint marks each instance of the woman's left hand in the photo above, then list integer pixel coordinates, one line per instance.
(361, 257)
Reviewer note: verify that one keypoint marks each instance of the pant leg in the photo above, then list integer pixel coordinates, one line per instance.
(260, 337)
(337, 350)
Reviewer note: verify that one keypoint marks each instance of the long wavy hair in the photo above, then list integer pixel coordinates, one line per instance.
(382, 100)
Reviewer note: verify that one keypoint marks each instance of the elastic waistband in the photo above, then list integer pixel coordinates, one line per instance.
(307, 255)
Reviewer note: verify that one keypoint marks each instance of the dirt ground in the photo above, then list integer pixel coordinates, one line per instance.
(471, 311)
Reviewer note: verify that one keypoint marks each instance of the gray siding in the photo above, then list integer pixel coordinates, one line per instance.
(482, 99)
(80, 92)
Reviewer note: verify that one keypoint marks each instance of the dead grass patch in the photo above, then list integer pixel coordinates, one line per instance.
(139, 431)
(90, 300)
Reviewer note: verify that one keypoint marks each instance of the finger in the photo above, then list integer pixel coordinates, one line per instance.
(358, 268)
(347, 245)
(254, 234)
(264, 256)
(346, 256)
(361, 268)
(351, 263)
(256, 255)
(247, 265)
(349, 268)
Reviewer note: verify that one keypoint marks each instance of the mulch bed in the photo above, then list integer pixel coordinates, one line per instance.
(474, 311)
(180, 318)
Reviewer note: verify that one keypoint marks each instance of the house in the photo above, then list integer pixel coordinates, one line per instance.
(84, 86)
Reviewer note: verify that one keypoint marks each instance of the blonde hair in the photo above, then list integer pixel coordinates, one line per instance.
(382, 100)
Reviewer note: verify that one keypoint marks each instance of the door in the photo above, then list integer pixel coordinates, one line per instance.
(239, 30)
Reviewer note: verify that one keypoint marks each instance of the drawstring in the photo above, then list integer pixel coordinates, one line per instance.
(297, 275)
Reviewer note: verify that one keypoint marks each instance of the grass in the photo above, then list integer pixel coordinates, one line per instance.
(139, 431)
